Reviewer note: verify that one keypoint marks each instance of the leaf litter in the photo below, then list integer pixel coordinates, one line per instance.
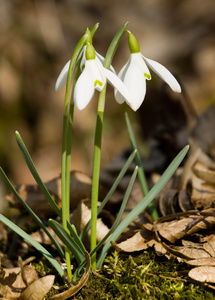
(185, 230)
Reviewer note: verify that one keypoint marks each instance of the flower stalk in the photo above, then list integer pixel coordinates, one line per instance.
(66, 149)
(96, 172)
(97, 143)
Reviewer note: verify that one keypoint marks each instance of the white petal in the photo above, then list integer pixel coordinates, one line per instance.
(134, 79)
(138, 58)
(102, 60)
(84, 88)
(99, 77)
(119, 86)
(164, 74)
(62, 77)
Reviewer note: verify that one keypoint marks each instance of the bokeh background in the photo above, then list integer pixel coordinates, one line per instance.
(36, 40)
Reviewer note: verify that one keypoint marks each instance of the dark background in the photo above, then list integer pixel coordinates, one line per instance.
(37, 39)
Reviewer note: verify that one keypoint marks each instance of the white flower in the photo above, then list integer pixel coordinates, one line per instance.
(63, 74)
(134, 75)
(93, 78)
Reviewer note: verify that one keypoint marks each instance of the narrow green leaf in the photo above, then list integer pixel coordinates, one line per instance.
(34, 243)
(35, 174)
(30, 211)
(141, 174)
(76, 237)
(94, 28)
(67, 240)
(119, 215)
(144, 202)
(116, 222)
(111, 191)
(114, 45)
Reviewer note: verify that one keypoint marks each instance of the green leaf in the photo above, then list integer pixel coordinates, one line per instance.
(144, 202)
(119, 215)
(111, 191)
(94, 28)
(114, 45)
(30, 211)
(116, 222)
(35, 174)
(141, 174)
(67, 240)
(34, 243)
(76, 237)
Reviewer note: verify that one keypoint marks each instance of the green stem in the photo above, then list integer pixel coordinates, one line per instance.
(66, 149)
(97, 144)
(96, 172)
(64, 195)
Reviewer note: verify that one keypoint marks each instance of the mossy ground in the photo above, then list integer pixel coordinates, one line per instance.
(143, 276)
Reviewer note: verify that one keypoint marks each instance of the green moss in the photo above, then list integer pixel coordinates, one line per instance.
(145, 276)
(135, 277)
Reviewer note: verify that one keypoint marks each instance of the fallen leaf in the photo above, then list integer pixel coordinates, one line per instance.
(80, 188)
(209, 246)
(80, 218)
(203, 274)
(177, 229)
(188, 252)
(204, 172)
(204, 261)
(141, 240)
(38, 289)
(11, 281)
(75, 288)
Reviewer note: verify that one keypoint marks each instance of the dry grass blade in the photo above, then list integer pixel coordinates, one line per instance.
(75, 288)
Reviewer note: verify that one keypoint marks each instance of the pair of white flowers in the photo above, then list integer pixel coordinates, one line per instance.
(129, 85)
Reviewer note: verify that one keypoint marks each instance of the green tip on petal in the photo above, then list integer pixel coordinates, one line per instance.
(148, 76)
(98, 82)
(90, 52)
(89, 38)
(133, 43)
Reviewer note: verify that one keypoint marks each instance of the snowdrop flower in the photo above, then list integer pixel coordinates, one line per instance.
(93, 78)
(63, 74)
(135, 73)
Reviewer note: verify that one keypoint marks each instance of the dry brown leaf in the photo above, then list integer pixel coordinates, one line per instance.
(80, 218)
(38, 289)
(41, 237)
(80, 188)
(142, 240)
(177, 229)
(187, 252)
(11, 281)
(198, 178)
(203, 193)
(204, 172)
(204, 261)
(203, 274)
(209, 246)
(75, 288)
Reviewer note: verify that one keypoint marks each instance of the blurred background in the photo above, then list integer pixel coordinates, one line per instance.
(37, 39)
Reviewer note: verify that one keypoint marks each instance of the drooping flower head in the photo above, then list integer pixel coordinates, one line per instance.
(63, 74)
(93, 78)
(135, 73)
